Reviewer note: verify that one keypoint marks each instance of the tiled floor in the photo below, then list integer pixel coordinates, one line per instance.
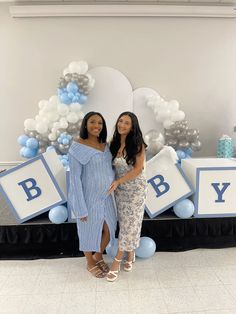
(197, 281)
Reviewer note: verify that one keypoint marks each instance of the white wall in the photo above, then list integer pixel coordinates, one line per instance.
(192, 60)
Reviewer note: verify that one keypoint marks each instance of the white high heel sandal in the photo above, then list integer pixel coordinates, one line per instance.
(114, 273)
(128, 265)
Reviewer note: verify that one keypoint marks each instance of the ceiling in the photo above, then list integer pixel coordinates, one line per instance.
(130, 2)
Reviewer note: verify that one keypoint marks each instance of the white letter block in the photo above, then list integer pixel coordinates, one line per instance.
(166, 183)
(214, 180)
(31, 189)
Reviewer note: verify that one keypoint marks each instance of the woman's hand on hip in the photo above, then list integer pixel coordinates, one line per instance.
(83, 219)
(113, 186)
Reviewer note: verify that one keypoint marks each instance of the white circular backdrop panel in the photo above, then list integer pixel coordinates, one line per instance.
(111, 95)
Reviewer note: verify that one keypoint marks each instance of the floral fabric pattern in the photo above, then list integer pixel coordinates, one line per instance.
(130, 200)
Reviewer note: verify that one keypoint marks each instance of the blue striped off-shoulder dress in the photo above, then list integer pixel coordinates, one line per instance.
(90, 177)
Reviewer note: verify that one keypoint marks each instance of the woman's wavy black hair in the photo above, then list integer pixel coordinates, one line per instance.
(134, 140)
(83, 129)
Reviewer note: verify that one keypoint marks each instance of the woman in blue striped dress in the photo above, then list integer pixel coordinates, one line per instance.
(91, 175)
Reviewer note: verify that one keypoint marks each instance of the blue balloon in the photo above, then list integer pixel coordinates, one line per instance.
(72, 87)
(32, 143)
(82, 99)
(22, 139)
(184, 208)
(112, 249)
(189, 151)
(65, 99)
(147, 248)
(65, 141)
(29, 152)
(71, 95)
(58, 214)
(181, 154)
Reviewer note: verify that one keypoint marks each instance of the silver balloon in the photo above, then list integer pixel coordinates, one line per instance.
(54, 144)
(38, 137)
(176, 132)
(43, 144)
(182, 136)
(191, 135)
(155, 142)
(75, 76)
(172, 142)
(72, 128)
(32, 133)
(183, 144)
(63, 148)
(68, 77)
(41, 150)
(196, 146)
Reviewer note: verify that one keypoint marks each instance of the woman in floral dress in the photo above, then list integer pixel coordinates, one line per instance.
(128, 151)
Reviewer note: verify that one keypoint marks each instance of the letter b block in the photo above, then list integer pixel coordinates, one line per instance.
(31, 188)
(166, 185)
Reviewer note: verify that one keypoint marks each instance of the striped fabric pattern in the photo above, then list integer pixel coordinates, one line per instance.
(91, 175)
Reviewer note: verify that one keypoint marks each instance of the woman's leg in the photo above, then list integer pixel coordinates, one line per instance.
(104, 242)
(115, 267)
(92, 267)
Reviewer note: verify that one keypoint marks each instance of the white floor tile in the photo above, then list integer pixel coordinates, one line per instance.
(202, 276)
(215, 298)
(78, 303)
(113, 302)
(147, 301)
(182, 299)
(13, 304)
(42, 304)
(173, 277)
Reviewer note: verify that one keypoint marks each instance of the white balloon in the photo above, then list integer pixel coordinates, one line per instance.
(41, 127)
(83, 67)
(54, 99)
(52, 136)
(62, 109)
(42, 103)
(52, 116)
(30, 124)
(167, 124)
(66, 71)
(64, 125)
(163, 114)
(75, 107)
(178, 116)
(173, 105)
(72, 117)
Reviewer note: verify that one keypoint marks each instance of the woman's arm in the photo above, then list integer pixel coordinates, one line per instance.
(76, 201)
(132, 174)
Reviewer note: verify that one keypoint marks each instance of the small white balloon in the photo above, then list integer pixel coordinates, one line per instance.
(52, 136)
(72, 117)
(30, 124)
(177, 116)
(66, 71)
(62, 109)
(167, 124)
(173, 105)
(43, 103)
(41, 127)
(53, 99)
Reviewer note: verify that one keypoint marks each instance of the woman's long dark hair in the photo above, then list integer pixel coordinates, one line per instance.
(134, 140)
(83, 129)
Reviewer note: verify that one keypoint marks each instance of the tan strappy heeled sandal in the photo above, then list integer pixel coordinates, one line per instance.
(113, 274)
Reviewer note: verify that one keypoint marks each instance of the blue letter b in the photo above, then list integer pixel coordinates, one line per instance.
(32, 187)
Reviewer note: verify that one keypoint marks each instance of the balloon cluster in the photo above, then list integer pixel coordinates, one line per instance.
(176, 131)
(75, 84)
(155, 142)
(179, 136)
(58, 121)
